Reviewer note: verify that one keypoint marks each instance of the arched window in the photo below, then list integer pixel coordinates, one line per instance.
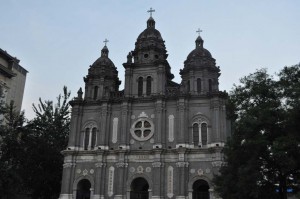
(86, 138)
(209, 85)
(196, 134)
(148, 86)
(204, 133)
(94, 131)
(199, 85)
(95, 92)
(90, 137)
(140, 86)
(188, 86)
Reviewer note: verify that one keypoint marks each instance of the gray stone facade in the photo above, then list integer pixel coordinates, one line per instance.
(154, 139)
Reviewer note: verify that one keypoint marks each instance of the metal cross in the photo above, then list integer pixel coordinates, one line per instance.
(105, 41)
(151, 10)
(198, 31)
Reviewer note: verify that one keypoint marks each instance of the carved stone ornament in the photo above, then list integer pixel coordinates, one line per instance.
(192, 171)
(140, 169)
(207, 170)
(92, 171)
(143, 114)
(148, 169)
(121, 164)
(132, 169)
(85, 172)
(99, 164)
(78, 171)
(157, 164)
(217, 163)
(182, 164)
(68, 165)
(200, 172)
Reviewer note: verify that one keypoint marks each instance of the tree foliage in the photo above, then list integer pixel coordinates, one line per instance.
(32, 151)
(262, 156)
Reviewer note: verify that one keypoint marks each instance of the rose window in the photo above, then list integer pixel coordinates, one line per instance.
(142, 130)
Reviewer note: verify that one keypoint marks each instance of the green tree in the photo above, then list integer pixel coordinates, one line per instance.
(46, 137)
(262, 156)
(10, 133)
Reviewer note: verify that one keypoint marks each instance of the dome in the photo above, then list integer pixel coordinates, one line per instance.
(150, 31)
(103, 66)
(149, 45)
(199, 58)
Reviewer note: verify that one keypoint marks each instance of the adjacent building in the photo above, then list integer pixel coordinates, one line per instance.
(12, 79)
(154, 139)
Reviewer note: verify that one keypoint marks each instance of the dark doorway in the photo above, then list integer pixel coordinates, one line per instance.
(200, 190)
(139, 189)
(83, 189)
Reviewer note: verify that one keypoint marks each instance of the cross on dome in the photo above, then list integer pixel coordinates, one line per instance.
(105, 41)
(151, 10)
(199, 31)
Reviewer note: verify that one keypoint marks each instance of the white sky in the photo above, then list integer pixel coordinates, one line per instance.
(57, 40)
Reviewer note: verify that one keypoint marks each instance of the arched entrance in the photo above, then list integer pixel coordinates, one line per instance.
(83, 189)
(200, 190)
(139, 189)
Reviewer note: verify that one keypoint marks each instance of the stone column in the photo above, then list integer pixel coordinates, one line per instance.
(120, 184)
(182, 172)
(101, 137)
(124, 127)
(98, 181)
(157, 189)
(67, 182)
(159, 115)
(128, 82)
(181, 121)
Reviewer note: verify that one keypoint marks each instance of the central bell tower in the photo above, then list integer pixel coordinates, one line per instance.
(147, 71)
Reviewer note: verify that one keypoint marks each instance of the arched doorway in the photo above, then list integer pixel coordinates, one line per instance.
(200, 190)
(83, 189)
(139, 189)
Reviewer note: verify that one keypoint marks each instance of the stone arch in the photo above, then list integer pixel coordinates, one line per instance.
(139, 175)
(196, 178)
(87, 177)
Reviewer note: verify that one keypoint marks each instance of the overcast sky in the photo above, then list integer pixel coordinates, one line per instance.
(57, 40)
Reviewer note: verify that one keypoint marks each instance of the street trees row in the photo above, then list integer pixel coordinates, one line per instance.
(262, 157)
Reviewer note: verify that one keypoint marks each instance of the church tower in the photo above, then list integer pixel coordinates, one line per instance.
(147, 70)
(155, 139)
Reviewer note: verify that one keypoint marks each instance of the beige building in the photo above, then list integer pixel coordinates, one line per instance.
(12, 79)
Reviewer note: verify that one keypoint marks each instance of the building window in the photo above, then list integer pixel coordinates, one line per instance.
(90, 136)
(204, 133)
(86, 138)
(199, 85)
(142, 129)
(94, 132)
(196, 134)
(200, 133)
(95, 92)
(140, 86)
(188, 86)
(209, 85)
(148, 86)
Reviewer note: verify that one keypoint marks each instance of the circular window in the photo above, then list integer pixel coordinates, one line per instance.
(146, 55)
(142, 129)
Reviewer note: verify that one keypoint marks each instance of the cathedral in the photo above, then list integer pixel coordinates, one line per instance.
(154, 139)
